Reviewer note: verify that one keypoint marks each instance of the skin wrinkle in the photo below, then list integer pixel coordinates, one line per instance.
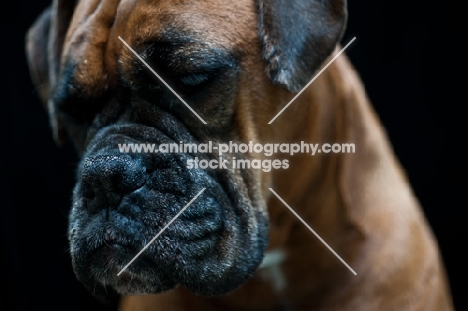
(355, 202)
(92, 79)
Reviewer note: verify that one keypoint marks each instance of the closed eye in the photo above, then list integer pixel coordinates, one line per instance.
(191, 83)
(194, 79)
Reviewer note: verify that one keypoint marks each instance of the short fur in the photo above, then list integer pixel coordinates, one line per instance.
(99, 95)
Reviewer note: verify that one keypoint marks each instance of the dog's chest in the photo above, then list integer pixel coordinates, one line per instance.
(270, 269)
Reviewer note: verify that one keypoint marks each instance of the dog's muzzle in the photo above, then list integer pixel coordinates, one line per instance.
(122, 200)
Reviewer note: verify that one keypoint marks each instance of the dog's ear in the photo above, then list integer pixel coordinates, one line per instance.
(44, 42)
(297, 36)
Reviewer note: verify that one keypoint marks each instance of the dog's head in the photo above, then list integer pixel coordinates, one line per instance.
(97, 92)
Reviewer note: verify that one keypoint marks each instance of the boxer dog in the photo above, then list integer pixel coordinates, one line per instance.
(237, 63)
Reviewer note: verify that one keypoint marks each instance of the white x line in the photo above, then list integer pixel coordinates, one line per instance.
(313, 79)
(160, 232)
(312, 230)
(161, 79)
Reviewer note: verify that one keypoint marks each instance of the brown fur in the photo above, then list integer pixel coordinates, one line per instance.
(361, 203)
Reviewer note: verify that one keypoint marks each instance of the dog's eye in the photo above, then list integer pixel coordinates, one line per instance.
(194, 79)
(192, 83)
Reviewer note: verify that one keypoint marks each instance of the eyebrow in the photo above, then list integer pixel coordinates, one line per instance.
(201, 56)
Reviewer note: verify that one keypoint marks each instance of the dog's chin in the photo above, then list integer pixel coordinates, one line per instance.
(208, 249)
(198, 265)
(106, 271)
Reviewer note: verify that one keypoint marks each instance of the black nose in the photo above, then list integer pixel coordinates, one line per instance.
(106, 178)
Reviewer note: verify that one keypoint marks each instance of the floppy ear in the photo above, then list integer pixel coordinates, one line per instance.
(297, 36)
(44, 42)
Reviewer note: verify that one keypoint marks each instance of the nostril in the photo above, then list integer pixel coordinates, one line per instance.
(110, 175)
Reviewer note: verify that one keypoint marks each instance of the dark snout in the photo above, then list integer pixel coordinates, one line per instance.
(107, 178)
(122, 201)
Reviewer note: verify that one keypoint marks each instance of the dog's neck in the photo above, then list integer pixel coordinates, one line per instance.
(329, 117)
(322, 188)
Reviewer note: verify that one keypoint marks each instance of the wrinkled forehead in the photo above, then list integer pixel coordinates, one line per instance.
(92, 51)
(222, 22)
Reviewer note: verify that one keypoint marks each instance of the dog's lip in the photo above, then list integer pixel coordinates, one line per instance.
(110, 248)
(113, 274)
(115, 256)
(206, 231)
(111, 260)
(116, 252)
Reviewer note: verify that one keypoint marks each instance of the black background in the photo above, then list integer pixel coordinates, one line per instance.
(410, 57)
